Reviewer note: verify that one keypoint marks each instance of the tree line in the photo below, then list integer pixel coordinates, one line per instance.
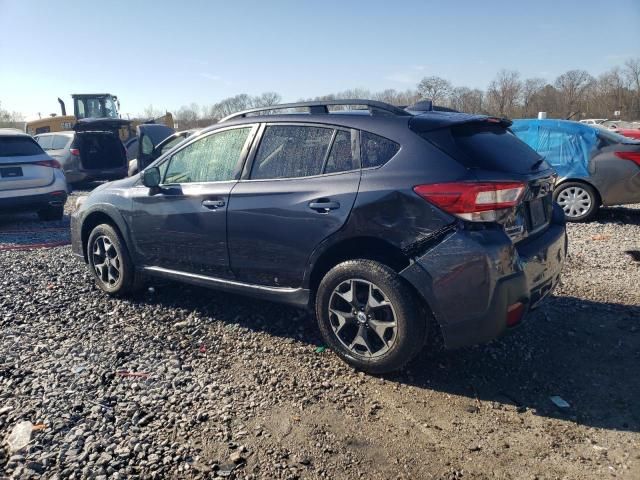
(574, 94)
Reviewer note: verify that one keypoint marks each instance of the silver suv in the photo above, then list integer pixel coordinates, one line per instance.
(29, 178)
(93, 151)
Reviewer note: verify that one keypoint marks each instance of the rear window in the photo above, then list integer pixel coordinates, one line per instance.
(19, 147)
(376, 150)
(485, 146)
(45, 141)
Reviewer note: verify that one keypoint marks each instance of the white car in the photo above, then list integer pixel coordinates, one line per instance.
(593, 121)
(29, 178)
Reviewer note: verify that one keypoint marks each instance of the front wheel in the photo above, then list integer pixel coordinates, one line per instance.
(369, 316)
(579, 201)
(110, 262)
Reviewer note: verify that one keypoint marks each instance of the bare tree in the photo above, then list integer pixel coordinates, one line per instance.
(632, 72)
(152, 112)
(10, 119)
(436, 89)
(394, 97)
(504, 92)
(466, 100)
(267, 99)
(188, 116)
(610, 93)
(573, 86)
(530, 88)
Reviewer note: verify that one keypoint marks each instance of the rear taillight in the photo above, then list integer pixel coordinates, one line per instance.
(475, 201)
(49, 163)
(515, 312)
(74, 151)
(633, 156)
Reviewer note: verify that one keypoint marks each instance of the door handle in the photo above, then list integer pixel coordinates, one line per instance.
(324, 206)
(213, 204)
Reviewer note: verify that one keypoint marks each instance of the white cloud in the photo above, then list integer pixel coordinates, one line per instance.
(210, 76)
(401, 77)
(618, 57)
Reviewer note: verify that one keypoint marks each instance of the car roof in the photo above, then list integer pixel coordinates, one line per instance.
(362, 120)
(13, 132)
(67, 133)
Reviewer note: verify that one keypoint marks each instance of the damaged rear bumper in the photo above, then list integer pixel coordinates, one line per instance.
(471, 279)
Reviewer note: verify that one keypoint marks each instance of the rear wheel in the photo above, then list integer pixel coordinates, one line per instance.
(110, 262)
(51, 213)
(579, 201)
(369, 316)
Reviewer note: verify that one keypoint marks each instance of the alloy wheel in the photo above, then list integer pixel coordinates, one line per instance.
(362, 318)
(575, 201)
(106, 261)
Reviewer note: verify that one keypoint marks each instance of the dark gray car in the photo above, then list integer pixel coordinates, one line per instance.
(387, 223)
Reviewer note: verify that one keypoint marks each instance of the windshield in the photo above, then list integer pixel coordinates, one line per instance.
(96, 107)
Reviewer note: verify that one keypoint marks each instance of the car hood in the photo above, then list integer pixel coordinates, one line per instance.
(116, 185)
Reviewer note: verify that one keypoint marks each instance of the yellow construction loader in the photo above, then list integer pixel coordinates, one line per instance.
(91, 106)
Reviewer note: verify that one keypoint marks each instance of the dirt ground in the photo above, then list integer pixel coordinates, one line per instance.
(258, 399)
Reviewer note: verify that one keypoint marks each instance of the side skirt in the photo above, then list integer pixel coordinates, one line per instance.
(298, 297)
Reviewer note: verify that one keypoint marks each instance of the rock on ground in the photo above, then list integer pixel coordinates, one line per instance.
(182, 382)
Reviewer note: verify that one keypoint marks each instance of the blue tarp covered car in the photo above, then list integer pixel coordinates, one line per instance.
(595, 166)
(566, 145)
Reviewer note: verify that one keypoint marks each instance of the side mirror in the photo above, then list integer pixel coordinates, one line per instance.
(151, 177)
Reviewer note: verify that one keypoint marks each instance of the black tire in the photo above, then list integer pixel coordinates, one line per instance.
(48, 214)
(405, 341)
(120, 261)
(579, 201)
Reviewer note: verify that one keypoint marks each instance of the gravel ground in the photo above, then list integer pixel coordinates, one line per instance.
(182, 382)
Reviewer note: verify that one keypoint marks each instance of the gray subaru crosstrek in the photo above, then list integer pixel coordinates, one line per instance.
(388, 223)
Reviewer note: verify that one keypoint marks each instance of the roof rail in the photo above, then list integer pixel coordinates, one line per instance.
(322, 107)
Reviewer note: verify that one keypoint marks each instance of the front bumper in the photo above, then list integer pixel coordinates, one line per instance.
(471, 278)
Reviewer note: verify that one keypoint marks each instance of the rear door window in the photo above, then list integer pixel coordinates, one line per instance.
(19, 147)
(59, 142)
(291, 151)
(376, 150)
(341, 157)
(485, 146)
(45, 142)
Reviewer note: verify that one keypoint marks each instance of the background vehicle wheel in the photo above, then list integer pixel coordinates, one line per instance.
(579, 201)
(369, 316)
(51, 213)
(109, 261)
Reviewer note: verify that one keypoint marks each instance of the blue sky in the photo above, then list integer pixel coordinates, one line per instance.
(173, 53)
